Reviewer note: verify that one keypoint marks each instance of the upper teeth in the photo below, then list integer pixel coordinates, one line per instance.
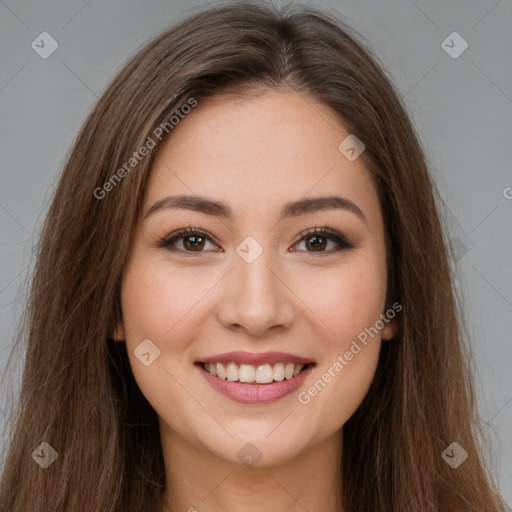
(262, 374)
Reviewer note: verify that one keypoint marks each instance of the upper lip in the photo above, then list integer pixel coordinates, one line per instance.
(239, 357)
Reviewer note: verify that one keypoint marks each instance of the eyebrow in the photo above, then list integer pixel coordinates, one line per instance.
(221, 209)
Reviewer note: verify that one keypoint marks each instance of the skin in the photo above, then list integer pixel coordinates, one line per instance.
(255, 154)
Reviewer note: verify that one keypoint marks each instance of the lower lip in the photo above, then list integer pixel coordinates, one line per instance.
(255, 393)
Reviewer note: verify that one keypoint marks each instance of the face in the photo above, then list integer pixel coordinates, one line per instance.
(251, 285)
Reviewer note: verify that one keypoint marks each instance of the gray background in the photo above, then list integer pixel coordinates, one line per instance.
(461, 108)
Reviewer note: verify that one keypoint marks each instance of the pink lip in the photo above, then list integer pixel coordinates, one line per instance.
(255, 393)
(239, 357)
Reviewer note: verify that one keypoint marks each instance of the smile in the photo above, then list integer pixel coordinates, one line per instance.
(248, 373)
(255, 378)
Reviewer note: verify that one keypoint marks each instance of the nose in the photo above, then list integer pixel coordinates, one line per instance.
(255, 298)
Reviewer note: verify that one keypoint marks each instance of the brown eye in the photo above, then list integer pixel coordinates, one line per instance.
(192, 240)
(316, 242)
(317, 239)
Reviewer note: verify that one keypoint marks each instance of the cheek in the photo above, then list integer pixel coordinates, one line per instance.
(142, 302)
(345, 301)
(156, 297)
(349, 302)
(155, 302)
(164, 304)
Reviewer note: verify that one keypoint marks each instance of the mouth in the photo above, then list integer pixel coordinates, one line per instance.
(255, 374)
(249, 378)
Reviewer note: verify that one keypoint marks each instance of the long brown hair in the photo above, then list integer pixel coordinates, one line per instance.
(78, 393)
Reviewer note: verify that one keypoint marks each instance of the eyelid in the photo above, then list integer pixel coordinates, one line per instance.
(333, 234)
(178, 234)
(340, 239)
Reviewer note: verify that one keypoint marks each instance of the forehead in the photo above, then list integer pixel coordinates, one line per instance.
(259, 152)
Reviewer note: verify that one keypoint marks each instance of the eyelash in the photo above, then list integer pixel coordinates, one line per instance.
(167, 241)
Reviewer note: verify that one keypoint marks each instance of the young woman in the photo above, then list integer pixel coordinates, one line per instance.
(242, 297)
